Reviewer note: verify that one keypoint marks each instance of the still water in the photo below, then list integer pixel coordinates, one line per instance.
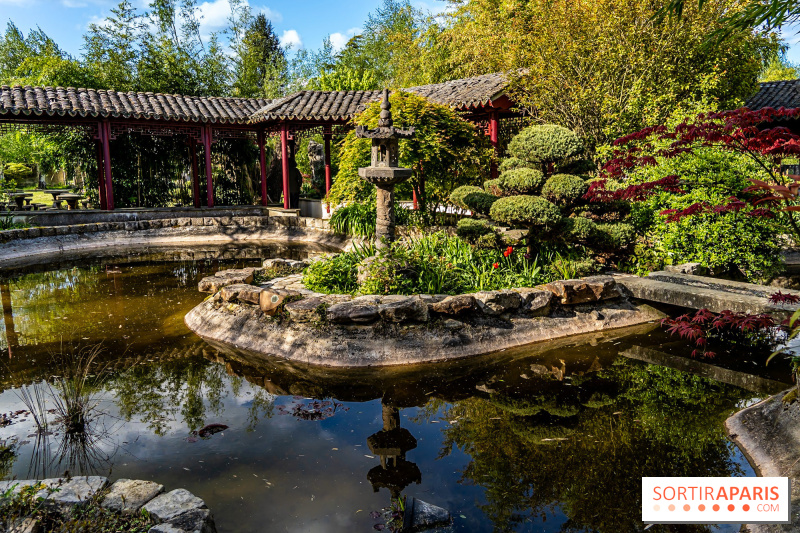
(550, 438)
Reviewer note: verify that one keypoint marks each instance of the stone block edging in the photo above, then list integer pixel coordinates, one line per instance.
(176, 511)
(281, 317)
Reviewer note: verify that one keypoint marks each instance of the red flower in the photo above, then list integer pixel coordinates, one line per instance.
(509, 251)
(496, 265)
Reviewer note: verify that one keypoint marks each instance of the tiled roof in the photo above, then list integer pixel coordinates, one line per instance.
(72, 102)
(776, 94)
(341, 105)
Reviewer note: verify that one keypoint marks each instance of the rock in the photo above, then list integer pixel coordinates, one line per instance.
(195, 521)
(422, 516)
(403, 309)
(578, 291)
(535, 302)
(688, 268)
(129, 495)
(76, 491)
(284, 264)
(456, 305)
(495, 303)
(172, 504)
(223, 278)
(243, 293)
(307, 310)
(353, 312)
(452, 324)
(270, 299)
(369, 299)
(25, 525)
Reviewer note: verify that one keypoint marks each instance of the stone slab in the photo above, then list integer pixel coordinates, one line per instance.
(129, 495)
(194, 521)
(173, 504)
(75, 491)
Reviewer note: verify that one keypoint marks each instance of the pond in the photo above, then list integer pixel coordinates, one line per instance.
(549, 438)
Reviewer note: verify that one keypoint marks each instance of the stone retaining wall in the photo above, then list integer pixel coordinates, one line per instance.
(25, 246)
(174, 512)
(281, 317)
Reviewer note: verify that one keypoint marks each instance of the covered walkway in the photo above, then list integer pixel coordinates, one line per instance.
(103, 115)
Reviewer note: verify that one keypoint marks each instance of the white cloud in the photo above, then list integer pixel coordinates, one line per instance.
(271, 14)
(214, 15)
(291, 39)
(73, 3)
(339, 40)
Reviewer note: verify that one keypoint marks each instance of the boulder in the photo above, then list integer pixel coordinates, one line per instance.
(535, 302)
(173, 504)
(76, 491)
(456, 305)
(243, 293)
(285, 264)
(696, 269)
(578, 291)
(403, 309)
(494, 303)
(194, 521)
(307, 310)
(270, 299)
(422, 516)
(128, 495)
(223, 278)
(356, 312)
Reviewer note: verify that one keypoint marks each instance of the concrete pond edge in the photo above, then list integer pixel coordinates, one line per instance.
(282, 318)
(768, 435)
(176, 511)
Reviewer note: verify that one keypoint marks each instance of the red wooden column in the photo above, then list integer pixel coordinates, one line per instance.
(285, 163)
(101, 178)
(106, 140)
(262, 160)
(207, 136)
(494, 136)
(328, 179)
(195, 172)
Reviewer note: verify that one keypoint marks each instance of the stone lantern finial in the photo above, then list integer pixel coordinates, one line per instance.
(386, 111)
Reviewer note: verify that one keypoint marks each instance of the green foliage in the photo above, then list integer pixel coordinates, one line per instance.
(545, 144)
(337, 274)
(779, 68)
(355, 219)
(564, 189)
(578, 229)
(473, 199)
(515, 182)
(445, 152)
(526, 211)
(260, 66)
(17, 171)
(615, 236)
(511, 163)
(470, 229)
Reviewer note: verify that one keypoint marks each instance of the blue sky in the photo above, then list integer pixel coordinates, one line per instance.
(299, 22)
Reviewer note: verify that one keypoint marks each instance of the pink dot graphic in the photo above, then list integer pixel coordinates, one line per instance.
(671, 507)
(656, 507)
(701, 507)
(687, 507)
(731, 507)
(745, 507)
(716, 507)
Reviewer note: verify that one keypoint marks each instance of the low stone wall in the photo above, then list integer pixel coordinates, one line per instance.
(26, 246)
(174, 512)
(281, 317)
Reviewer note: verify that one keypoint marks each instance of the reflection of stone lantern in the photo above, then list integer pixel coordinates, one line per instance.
(383, 171)
(391, 444)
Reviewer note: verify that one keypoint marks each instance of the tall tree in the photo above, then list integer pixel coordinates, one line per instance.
(260, 67)
(111, 47)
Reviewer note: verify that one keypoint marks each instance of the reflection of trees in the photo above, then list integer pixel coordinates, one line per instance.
(584, 447)
(159, 392)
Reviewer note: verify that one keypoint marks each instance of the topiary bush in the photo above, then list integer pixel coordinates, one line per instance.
(512, 163)
(546, 145)
(518, 181)
(564, 189)
(615, 236)
(473, 199)
(533, 212)
(578, 229)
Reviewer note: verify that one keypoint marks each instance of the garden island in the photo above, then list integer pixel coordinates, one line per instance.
(469, 267)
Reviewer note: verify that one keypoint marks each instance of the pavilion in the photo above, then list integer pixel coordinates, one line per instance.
(105, 114)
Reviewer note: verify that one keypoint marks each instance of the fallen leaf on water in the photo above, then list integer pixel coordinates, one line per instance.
(370, 456)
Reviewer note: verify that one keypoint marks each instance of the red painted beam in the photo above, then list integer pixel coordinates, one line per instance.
(195, 173)
(101, 178)
(106, 140)
(494, 138)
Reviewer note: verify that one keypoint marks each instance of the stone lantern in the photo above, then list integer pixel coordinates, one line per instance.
(383, 171)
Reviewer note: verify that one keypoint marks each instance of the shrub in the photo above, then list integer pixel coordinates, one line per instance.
(337, 274)
(577, 229)
(579, 166)
(526, 211)
(564, 189)
(615, 236)
(355, 219)
(472, 198)
(545, 144)
(519, 181)
(512, 163)
(470, 229)
(17, 171)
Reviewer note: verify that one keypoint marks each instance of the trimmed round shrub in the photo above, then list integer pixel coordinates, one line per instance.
(577, 229)
(520, 181)
(494, 186)
(472, 198)
(579, 166)
(615, 236)
(526, 211)
(546, 143)
(470, 228)
(17, 171)
(511, 163)
(564, 189)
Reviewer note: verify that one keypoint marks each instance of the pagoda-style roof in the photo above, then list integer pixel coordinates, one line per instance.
(100, 103)
(464, 94)
(784, 93)
(469, 94)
